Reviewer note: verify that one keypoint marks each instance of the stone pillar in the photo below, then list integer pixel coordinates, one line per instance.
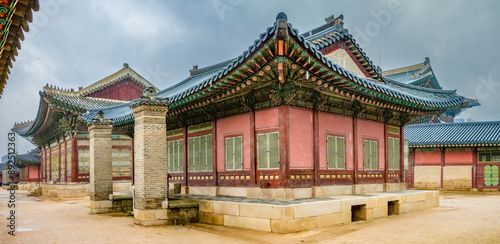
(150, 161)
(101, 177)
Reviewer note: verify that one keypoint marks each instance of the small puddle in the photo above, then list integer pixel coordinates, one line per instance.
(21, 229)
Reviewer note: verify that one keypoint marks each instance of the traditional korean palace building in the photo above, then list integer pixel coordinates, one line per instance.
(62, 136)
(294, 116)
(455, 156)
(422, 75)
(294, 110)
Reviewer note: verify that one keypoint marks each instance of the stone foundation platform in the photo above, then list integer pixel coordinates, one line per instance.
(288, 194)
(305, 214)
(175, 212)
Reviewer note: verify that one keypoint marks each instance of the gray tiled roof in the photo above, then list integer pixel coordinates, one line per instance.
(31, 158)
(461, 134)
(205, 77)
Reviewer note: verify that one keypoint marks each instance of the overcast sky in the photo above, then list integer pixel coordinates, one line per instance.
(76, 43)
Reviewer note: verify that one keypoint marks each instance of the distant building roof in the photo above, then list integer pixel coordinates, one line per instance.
(454, 134)
(31, 158)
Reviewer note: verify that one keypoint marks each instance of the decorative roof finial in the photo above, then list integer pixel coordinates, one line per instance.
(100, 115)
(282, 16)
(149, 92)
(125, 65)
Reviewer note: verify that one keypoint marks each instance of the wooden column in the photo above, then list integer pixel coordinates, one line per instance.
(386, 153)
(475, 159)
(74, 159)
(42, 163)
(132, 161)
(442, 164)
(50, 163)
(185, 152)
(65, 160)
(355, 148)
(253, 151)
(215, 182)
(59, 160)
(411, 167)
(284, 144)
(401, 154)
(316, 177)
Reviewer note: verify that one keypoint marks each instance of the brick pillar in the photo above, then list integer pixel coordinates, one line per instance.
(150, 161)
(101, 177)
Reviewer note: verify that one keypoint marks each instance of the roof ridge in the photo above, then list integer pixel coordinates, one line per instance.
(455, 124)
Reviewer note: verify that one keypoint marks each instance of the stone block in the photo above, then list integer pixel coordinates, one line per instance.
(262, 211)
(367, 188)
(415, 197)
(312, 209)
(184, 189)
(218, 219)
(205, 217)
(268, 193)
(160, 214)
(248, 223)
(254, 192)
(294, 225)
(329, 191)
(408, 207)
(227, 208)
(284, 194)
(346, 205)
(334, 219)
(233, 191)
(302, 193)
(205, 206)
(206, 191)
(372, 202)
(380, 212)
(287, 212)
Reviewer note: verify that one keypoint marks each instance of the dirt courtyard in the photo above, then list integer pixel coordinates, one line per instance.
(461, 218)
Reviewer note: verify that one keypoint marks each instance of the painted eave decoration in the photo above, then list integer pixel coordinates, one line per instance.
(14, 18)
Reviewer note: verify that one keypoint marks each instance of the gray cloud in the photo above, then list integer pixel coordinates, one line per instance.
(75, 43)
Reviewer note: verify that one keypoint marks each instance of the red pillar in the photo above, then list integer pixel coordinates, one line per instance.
(50, 163)
(355, 148)
(215, 182)
(65, 160)
(474, 167)
(442, 164)
(253, 151)
(59, 161)
(132, 170)
(284, 139)
(401, 153)
(185, 152)
(386, 153)
(74, 159)
(316, 176)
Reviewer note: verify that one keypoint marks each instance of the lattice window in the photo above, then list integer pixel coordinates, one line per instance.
(83, 161)
(121, 162)
(393, 152)
(370, 155)
(335, 152)
(268, 154)
(234, 153)
(175, 156)
(200, 153)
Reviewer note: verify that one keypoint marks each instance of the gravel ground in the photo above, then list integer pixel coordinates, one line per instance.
(461, 218)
